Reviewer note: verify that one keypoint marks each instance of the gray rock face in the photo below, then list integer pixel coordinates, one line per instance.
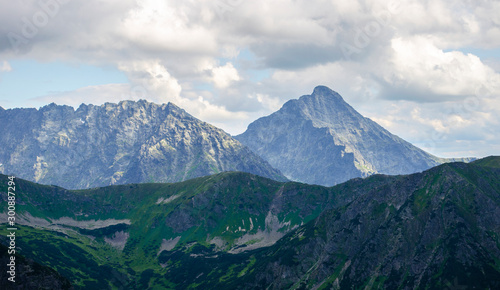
(320, 139)
(129, 142)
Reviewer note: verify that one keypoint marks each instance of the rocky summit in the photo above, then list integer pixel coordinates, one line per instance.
(128, 142)
(320, 139)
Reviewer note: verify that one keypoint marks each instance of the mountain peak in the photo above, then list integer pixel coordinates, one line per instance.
(325, 108)
(53, 105)
(116, 143)
(325, 92)
(142, 103)
(321, 139)
(322, 99)
(322, 93)
(123, 106)
(174, 108)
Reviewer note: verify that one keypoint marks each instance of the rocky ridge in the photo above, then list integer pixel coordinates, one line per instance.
(320, 139)
(128, 142)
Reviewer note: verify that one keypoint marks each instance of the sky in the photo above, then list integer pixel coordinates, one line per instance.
(428, 71)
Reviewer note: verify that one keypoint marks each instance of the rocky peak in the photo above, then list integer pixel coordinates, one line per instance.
(116, 143)
(323, 133)
(326, 108)
(54, 107)
(175, 110)
(323, 95)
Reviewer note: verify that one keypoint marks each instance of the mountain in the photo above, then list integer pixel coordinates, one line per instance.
(490, 161)
(433, 230)
(121, 235)
(320, 139)
(129, 142)
(436, 229)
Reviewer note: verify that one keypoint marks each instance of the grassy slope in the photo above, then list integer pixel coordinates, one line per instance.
(447, 217)
(490, 161)
(444, 218)
(208, 206)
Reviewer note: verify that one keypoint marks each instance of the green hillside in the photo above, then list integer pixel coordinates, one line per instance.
(430, 230)
(434, 230)
(490, 161)
(87, 234)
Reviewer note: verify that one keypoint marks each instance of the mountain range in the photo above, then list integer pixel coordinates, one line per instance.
(432, 230)
(137, 195)
(320, 139)
(316, 139)
(129, 142)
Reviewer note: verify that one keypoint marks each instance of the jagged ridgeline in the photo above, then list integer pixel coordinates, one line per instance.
(129, 142)
(320, 139)
(433, 230)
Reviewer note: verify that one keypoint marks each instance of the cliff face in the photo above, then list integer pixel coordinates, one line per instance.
(129, 142)
(320, 139)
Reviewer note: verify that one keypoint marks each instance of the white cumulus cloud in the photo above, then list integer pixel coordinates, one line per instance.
(224, 75)
(229, 62)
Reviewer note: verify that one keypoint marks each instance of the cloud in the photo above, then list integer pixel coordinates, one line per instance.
(152, 80)
(157, 26)
(5, 66)
(375, 53)
(224, 75)
(455, 126)
(434, 75)
(96, 95)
